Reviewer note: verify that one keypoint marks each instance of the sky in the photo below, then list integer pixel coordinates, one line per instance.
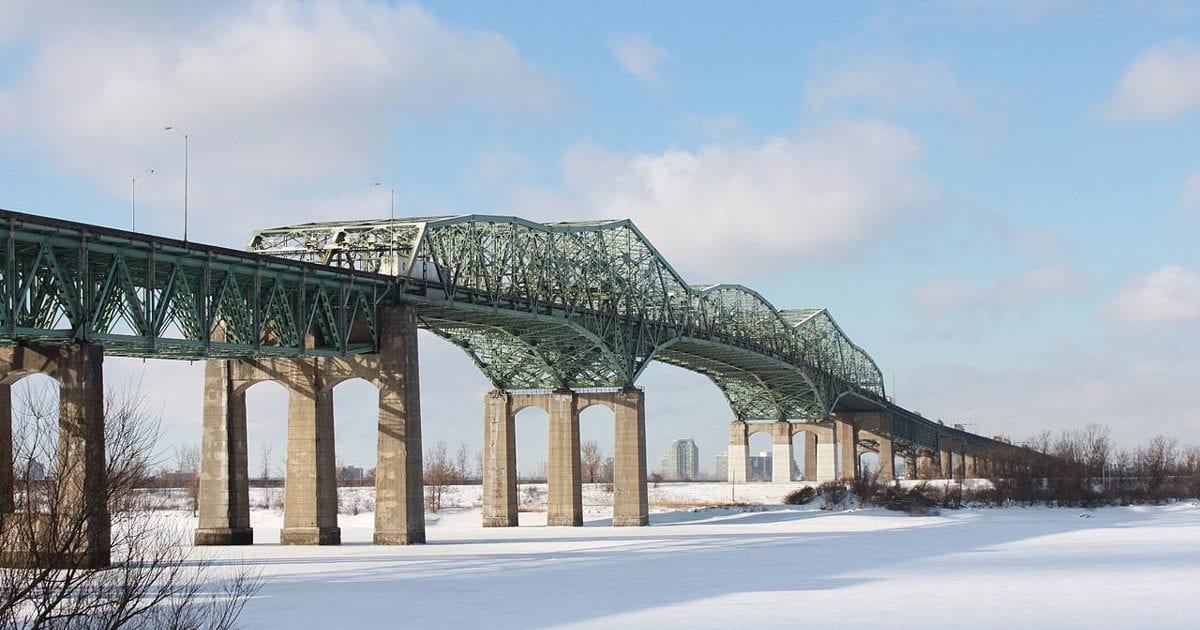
(998, 200)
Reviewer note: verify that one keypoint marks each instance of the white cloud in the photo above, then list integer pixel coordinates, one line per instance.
(721, 210)
(1189, 199)
(1163, 83)
(278, 96)
(954, 308)
(1170, 295)
(639, 57)
(891, 81)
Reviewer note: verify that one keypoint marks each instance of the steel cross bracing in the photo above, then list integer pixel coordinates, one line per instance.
(536, 306)
(589, 304)
(140, 295)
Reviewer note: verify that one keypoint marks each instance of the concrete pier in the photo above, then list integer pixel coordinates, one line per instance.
(310, 498)
(846, 437)
(738, 461)
(499, 460)
(310, 493)
(630, 498)
(564, 474)
(810, 456)
(564, 469)
(224, 501)
(80, 465)
(781, 452)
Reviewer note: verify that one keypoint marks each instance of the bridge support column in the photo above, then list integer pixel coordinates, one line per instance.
(887, 459)
(910, 464)
(310, 489)
(945, 461)
(499, 461)
(846, 437)
(924, 466)
(810, 456)
(564, 474)
(969, 466)
(781, 452)
(826, 458)
(738, 463)
(630, 501)
(399, 482)
(6, 451)
(224, 501)
(84, 520)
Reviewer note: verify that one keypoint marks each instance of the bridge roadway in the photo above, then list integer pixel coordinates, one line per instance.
(560, 316)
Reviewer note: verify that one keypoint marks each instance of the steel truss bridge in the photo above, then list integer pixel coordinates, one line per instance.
(535, 306)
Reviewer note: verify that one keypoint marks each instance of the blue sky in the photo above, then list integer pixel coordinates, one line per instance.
(998, 200)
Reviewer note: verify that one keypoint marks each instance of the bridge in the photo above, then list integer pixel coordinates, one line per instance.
(560, 316)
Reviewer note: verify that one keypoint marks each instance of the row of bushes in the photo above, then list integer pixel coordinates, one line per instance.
(925, 498)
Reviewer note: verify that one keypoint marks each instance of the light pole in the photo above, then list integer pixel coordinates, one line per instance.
(391, 201)
(133, 182)
(391, 233)
(185, 177)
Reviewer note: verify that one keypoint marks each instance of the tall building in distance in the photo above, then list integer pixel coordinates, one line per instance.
(721, 467)
(682, 460)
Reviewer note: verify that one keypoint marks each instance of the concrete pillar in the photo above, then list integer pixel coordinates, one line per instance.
(399, 491)
(224, 501)
(738, 463)
(630, 502)
(969, 467)
(310, 486)
(887, 459)
(846, 437)
(781, 452)
(826, 459)
(499, 460)
(925, 465)
(810, 456)
(80, 455)
(945, 461)
(564, 472)
(6, 450)
(910, 464)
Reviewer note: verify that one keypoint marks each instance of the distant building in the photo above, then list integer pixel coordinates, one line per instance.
(721, 467)
(351, 473)
(760, 467)
(682, 460)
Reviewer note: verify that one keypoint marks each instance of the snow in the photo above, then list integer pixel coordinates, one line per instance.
(730, 567)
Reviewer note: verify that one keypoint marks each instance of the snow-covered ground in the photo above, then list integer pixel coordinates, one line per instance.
(760, 566)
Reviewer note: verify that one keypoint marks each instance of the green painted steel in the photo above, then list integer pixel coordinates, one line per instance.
(145, 296)
(543, 306)
(536, 306)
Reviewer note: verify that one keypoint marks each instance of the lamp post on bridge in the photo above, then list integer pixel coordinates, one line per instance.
(391, 229)
(133, 197)
(185, 177)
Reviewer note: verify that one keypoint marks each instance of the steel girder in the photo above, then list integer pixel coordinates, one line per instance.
(589, 304)
(139, 295)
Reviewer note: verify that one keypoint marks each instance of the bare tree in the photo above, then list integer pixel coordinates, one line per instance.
(151, 583)
(187, 461)
(265, 455)
(1156, 460)
(462, 465)
(591, 458)
(440, 472)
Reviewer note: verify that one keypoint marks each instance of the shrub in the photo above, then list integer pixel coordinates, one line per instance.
(834, 494)
(916, 501)
(803, 496)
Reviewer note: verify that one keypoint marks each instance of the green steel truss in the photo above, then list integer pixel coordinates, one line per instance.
(139, 295)
(542, 306)
(536, 306)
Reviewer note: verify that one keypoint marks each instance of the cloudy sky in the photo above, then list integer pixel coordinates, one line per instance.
(999, 200)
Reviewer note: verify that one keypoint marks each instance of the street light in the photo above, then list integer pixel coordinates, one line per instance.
(133, 182)
(185, 177)
(391, 233)
(391, 202)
